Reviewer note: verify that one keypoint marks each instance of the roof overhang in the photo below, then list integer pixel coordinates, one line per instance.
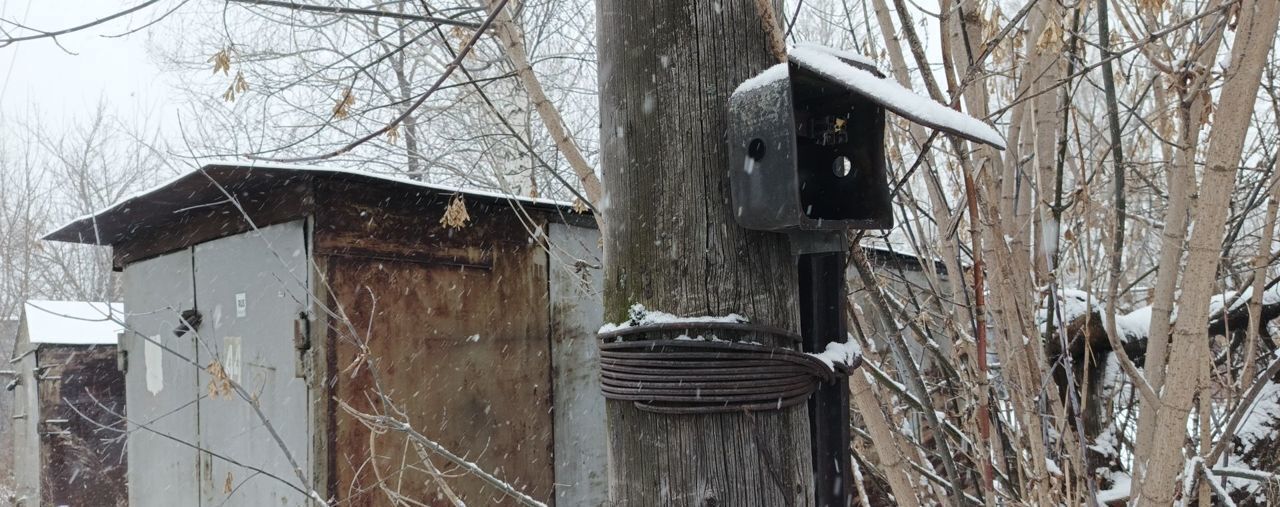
(213, 184)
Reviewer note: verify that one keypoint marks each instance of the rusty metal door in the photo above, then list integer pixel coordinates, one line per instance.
(464, 353)
(252, 290)
(160, 382)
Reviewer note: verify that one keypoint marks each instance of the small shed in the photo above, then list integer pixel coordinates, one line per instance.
(68, 431)
(319, 291)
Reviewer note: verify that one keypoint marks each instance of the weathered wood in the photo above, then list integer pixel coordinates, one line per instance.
(62, 457)
(666, 72)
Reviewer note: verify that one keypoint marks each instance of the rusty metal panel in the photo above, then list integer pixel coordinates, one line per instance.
(160, 382)
(83, 462)
(577, 311)
(462, 351)
(250, 289)
(403, 224)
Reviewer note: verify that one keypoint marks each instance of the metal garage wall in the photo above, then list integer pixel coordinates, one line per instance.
(251, 288)
(26, 432)
(577, 310)
(160, 384)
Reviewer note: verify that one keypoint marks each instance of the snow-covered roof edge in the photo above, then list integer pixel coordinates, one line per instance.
(838, 53)
(72, 322)
(320, 170)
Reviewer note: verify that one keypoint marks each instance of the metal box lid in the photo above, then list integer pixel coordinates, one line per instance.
(806, 142)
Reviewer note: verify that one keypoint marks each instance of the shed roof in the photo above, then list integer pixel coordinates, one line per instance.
(73, 322)
(206, 187)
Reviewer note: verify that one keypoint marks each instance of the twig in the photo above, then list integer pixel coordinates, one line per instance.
(96, 22)
(448, 71)
(335, 10)
(394, 424)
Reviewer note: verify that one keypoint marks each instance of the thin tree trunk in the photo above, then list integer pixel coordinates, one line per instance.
(1259, 279)
(1253, 41)
(1181, 183)
(410, 123)
(947, 249)
(887, 445)
(1043, 73)
(509, 34)
(666, 72)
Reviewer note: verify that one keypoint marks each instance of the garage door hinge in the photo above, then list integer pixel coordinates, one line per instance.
(302, 332)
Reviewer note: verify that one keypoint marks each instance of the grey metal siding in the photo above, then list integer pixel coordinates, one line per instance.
(251, 288)
(26, 439)
(162, 409)
(577, 311)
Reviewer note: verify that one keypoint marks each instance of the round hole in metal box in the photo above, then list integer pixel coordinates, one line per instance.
(842, 166)
(755, 149)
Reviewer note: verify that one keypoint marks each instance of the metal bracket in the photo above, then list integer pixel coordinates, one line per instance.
(302, 345)
(122, 354)
(813, 242)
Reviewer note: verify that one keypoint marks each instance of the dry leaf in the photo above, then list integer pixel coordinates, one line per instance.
(991, 24)
(455, 215)
(1051, 38)
(393, 134)
(221, 61)
(1206, 113)
(220, 384)
(226, 486)
(1152, 7)
(461, 34)
(238, 86)
(579, 206)
(343, 108)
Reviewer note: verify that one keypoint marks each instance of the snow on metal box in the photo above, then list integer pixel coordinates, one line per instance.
(806, 142)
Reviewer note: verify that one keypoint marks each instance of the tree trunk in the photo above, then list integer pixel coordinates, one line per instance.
(1181, 180)
(666, 71)
(1256, 33)
(513, 42)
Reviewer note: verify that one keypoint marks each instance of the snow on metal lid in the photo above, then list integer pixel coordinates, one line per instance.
(838, 53)
(893, 96)
(73, 322)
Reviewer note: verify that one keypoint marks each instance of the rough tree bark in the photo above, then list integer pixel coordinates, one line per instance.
(666, 71)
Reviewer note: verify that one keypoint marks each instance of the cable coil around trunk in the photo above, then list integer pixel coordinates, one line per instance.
(699, 376)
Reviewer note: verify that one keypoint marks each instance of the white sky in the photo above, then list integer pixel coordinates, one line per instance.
(41, 82)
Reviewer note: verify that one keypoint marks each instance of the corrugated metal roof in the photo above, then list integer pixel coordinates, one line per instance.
(73, 322)
(206, 187)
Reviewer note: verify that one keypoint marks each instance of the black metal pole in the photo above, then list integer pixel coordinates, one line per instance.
(822, 294)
